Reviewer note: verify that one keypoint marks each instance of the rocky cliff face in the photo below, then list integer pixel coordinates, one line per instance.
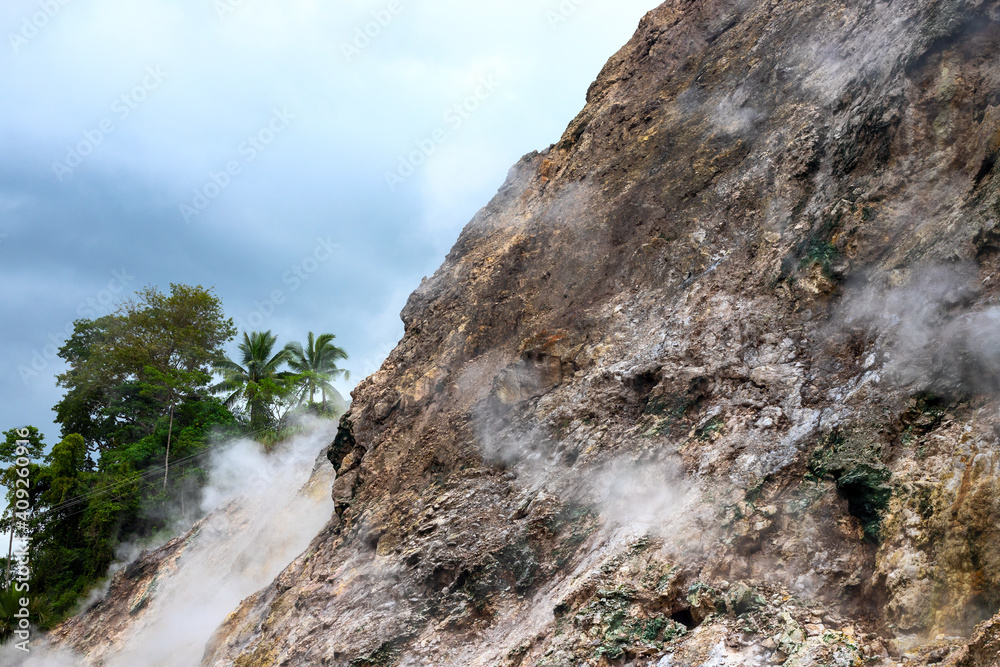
(712, 381)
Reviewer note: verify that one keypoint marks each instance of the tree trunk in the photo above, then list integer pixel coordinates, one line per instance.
(166, 462)
(255, 417)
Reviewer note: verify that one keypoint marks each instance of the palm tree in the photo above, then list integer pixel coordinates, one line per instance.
(10, 606)
(316, 365)
(256, 379)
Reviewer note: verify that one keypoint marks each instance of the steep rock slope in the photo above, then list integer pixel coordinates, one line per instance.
(710, 381)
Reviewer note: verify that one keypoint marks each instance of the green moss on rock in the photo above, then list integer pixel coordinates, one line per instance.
(855, 465)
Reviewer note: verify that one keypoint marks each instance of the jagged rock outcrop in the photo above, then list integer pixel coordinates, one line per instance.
(711, 381)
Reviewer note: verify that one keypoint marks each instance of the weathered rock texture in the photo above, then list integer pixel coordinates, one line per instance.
(712, 381)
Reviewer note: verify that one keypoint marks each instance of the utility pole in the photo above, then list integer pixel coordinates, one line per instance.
(10, 553)
(170, 430)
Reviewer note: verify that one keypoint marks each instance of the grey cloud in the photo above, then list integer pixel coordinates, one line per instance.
(218, 82)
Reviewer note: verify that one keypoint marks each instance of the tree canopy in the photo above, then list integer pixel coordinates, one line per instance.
(255, 380)
(126, 370)
(140, 402)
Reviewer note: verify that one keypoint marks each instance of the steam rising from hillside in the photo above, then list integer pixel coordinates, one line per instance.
(932, 339)
(648, 497)
(260, 518)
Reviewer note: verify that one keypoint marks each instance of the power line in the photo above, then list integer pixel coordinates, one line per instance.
(148, 473)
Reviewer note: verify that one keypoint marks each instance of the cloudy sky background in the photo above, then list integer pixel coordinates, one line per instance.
(175, 89)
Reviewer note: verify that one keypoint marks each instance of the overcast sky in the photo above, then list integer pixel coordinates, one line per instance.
(310, 172)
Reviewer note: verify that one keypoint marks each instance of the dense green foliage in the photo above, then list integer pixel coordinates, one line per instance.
(126, 370)
(138, 419)
(10, 606)
(137, 388)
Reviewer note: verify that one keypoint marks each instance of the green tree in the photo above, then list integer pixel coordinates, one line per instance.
(10, 606)
(137, 397)
(33, 443)
(315, 364)
(256, 381)
(67, 462)
(131, 369)
(171, 340)
(73, 519)
(58, 550)
(25, 445)
(102, 403)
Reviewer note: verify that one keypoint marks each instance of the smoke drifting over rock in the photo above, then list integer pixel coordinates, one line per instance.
(261, 509)
(931, 331)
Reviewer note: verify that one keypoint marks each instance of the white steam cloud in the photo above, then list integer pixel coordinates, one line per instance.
(933, 337)
(260, 517)
(635, 497)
